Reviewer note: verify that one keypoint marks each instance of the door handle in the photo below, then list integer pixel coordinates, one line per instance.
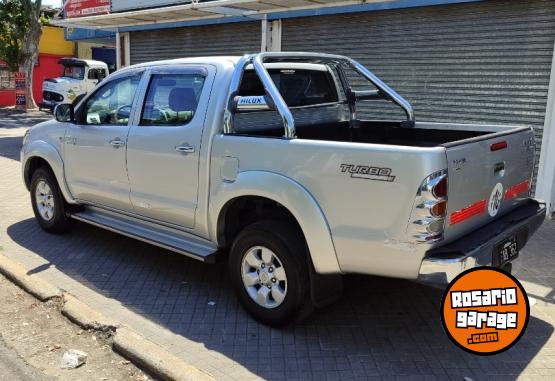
(185, 149)
(116, 143)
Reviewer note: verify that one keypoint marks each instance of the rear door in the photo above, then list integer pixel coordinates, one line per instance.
(164, 144)
(488, 176)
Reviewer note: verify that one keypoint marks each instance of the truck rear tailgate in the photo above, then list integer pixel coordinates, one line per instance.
(489, 176)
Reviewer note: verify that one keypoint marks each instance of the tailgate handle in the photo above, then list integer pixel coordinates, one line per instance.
(499, 168)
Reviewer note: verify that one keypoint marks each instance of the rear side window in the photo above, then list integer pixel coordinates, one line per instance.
(172, 99)
(297, 87)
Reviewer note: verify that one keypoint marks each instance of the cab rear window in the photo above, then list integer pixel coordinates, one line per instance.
(297, 87)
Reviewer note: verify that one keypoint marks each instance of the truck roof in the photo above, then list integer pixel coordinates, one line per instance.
(208, 59)
(222, 60)
(80, 62)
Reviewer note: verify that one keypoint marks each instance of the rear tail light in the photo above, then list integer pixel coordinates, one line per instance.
(439, 209)
(427, 222)
(439, 190)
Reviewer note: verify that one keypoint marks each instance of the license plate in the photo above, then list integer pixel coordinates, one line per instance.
(507, 251)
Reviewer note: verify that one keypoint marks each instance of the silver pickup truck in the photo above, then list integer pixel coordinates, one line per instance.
(274, 162)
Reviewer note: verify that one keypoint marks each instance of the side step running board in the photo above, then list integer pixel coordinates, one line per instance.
(167, 238)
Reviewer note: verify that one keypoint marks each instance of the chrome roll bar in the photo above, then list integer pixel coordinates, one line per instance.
(257, 60)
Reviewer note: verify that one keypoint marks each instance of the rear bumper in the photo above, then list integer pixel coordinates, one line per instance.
(441, 265)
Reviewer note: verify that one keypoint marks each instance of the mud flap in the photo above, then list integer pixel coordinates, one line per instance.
(325, 289)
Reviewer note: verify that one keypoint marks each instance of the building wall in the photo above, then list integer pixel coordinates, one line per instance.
(227, 39)
(85, 49)
(52, 47)
(53, 42)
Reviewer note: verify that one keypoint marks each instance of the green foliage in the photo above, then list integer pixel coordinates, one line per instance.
(16, 16)
(12, 32)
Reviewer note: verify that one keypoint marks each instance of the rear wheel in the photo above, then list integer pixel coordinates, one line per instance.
(48, 203)
(269, 271)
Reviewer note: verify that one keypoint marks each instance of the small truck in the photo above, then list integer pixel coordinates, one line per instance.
(78, 77)
(272, 163)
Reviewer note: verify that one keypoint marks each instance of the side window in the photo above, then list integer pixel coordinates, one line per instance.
(172, 99)
(111, 104)
(92, 74)
(298, 87)
(99, 74)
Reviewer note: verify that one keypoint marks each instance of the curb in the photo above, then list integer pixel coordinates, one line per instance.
(35, 286)
(144, 353)
(84, 316)
(156, 359)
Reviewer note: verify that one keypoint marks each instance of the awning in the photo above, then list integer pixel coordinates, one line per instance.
(255, 9)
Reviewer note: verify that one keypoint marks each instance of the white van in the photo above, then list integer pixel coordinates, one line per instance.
(78, 77)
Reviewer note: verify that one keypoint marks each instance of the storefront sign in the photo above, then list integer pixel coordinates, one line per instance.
(80, 8)
(20, 99)
(19, 80)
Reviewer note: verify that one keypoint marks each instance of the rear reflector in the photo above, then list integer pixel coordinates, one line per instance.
(498, 146)
(518, 189)
(468, 212)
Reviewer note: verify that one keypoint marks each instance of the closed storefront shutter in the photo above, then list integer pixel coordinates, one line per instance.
(209, 40)
(484, 62)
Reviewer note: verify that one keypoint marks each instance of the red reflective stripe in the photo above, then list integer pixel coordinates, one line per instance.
(519, 188)
(468, 212)
(498, 146)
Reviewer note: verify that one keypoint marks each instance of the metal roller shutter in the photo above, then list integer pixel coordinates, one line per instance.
(209, 40)
(484, 62)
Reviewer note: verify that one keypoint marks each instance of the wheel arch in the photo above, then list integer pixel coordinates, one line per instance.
(40, 153)
(287, 194)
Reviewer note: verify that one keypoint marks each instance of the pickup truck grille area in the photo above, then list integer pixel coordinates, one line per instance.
(427, 221)
(51, 96)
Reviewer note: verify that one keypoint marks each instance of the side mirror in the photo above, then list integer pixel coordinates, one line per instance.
(253, 103)
(64, 113)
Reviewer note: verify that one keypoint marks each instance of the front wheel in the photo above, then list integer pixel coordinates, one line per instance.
(269, 271)
(48, 203)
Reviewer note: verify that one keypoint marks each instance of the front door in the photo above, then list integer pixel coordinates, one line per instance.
(95, 147)
(163, 146)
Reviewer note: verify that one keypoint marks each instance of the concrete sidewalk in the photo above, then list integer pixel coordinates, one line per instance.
(382, 328)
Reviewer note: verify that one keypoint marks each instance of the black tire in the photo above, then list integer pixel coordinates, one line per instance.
(59, 222)
(289, 246)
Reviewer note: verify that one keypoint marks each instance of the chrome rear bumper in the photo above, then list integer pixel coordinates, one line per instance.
(441, 265)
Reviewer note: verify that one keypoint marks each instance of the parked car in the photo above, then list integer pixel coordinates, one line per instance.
(267, 161)
(78, 77)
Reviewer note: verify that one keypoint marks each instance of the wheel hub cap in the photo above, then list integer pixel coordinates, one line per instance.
(264, 277)
(44, 198)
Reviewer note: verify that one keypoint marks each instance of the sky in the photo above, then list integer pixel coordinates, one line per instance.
(56, 3)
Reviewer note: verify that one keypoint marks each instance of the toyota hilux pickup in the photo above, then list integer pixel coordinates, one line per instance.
(284, 165)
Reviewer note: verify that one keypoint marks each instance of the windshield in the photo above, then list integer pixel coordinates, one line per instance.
(75, 72)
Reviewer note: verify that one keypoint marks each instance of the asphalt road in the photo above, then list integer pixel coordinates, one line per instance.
(13, 367)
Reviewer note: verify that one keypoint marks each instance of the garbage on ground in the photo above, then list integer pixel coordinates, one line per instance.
(73, 358)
